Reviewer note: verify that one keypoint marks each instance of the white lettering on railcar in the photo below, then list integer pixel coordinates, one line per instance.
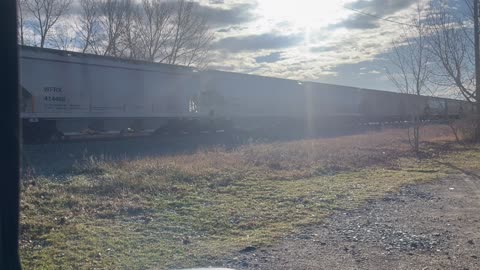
(54, 94)
(51, 89)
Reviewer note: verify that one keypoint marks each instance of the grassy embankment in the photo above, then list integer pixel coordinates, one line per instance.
(187, 210)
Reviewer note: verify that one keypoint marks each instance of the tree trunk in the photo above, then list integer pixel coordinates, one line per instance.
(415, 141)
(416, 134)
(476, 32)
(42, 41)
(417, 138)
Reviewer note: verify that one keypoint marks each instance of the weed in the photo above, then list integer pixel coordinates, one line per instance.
(188, 210)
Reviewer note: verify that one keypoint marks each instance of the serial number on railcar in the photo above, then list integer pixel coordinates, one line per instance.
(53, 98)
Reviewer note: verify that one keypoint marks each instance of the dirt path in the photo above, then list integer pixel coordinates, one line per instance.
(430, 226)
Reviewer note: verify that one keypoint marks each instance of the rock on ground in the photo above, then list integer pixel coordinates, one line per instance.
(428, 226)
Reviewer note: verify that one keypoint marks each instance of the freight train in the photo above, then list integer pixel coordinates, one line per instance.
(65, 93)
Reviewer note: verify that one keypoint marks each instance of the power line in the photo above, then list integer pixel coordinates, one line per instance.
(375, 16)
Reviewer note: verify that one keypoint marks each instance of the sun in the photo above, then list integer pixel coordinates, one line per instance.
(303, 13)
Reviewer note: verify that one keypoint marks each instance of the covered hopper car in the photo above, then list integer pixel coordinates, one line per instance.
(69, 93)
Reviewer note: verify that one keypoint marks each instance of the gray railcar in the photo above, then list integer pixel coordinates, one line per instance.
(67, 92)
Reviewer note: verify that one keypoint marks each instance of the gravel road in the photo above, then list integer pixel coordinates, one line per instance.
(429, 226)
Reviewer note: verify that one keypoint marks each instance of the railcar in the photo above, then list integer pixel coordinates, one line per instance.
(278, 105)
(66, 93)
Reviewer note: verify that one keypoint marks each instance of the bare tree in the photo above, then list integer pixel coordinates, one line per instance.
(168, 32)
(150, 33)
(409, 70)
(46, 14)
(114, 19)
(129, 40)
(191, 35)
(63, 37)
(173, 32)
(476, 46)
(197, 49)
(87, 25)
(21, 18)
(455, 44)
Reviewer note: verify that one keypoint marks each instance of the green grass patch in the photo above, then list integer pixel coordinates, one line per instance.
(184, 212)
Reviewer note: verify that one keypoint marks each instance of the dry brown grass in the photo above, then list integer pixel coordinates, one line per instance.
(219, 200)
(270, 161)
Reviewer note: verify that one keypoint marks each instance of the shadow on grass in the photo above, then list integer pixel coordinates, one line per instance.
(467, 172)
(55, 158)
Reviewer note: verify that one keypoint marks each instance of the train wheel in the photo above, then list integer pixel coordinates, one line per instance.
(39, 132)
(57, 136)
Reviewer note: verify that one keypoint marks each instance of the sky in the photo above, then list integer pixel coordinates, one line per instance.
(326, 41)
(315, 40)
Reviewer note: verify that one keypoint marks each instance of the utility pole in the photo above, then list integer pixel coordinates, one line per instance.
(476, 32)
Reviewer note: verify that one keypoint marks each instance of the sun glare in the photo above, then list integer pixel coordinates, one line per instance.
(303, 13)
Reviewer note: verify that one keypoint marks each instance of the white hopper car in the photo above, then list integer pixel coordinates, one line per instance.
(65, 93)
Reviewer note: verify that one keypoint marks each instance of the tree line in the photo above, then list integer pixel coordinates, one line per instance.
(173, 32)
(439, 48)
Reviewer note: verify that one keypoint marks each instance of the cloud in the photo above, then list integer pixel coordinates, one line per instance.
(217, 13)
(359, 22)
(257, 42)
(318, 49)
(270, 58)
(379, 8)
(218, 17)
(229, 29)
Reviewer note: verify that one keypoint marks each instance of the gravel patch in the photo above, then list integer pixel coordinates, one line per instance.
(429, 226)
